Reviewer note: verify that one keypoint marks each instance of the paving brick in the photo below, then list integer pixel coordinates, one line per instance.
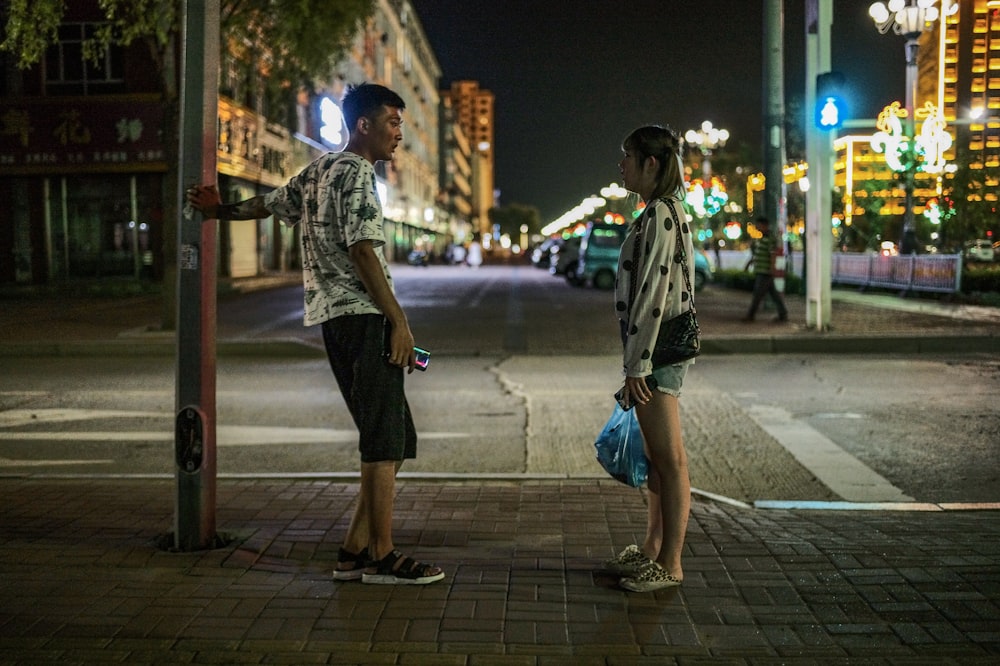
(760, 586)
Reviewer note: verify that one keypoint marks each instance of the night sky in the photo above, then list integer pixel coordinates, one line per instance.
(571, 79)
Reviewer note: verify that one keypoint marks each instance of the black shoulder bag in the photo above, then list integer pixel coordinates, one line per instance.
(679, 338)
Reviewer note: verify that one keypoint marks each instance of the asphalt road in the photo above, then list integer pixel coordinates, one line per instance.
(519, 383)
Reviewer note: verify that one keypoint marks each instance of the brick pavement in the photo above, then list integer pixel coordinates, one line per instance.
(85, 582)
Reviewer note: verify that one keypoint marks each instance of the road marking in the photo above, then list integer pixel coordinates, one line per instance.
(18, 417)
(836, 468)
(10, 462)
(809, 505)
(225, 435)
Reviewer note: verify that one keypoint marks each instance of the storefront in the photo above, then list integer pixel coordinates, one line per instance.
(83, 184)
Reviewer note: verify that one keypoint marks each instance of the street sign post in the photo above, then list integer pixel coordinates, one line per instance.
(194, 443)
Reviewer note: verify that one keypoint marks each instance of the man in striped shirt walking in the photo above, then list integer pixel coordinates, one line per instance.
(763, 268)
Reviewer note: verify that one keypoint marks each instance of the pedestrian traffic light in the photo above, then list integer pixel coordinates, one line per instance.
(831, 109)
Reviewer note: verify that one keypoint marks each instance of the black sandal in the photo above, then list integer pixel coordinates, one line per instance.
(397, 569)
(358, 563)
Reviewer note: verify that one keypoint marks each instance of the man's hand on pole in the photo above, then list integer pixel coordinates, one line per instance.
(205, 199)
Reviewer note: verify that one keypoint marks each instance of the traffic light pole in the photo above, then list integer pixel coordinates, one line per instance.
(775, 191)
(194, 443)
(819, 155)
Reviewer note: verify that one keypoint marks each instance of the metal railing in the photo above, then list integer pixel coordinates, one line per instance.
(924, 272)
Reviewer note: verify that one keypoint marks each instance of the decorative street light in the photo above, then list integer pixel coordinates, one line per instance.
(706, 139)
(908, 18)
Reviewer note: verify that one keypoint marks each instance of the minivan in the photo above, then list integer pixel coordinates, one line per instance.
(599, 250)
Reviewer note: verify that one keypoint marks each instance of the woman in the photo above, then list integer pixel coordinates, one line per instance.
(650, 288)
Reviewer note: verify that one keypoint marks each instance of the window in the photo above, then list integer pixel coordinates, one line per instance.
(68, 72)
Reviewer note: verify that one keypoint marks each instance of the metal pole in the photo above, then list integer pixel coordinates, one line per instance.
(194, 443)
(774, 116)
(819, 204)
(908, 242)
(134, 199)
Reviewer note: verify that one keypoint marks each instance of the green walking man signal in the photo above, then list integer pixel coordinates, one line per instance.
(831, 107)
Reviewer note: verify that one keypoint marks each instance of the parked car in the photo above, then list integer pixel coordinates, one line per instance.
(704, 269)
(598, 261)
(979, 250)
(599, 248)
(564, 259)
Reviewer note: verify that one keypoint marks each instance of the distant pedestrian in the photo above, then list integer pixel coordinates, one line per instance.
(762, 256)
(474, 257)
(651, 287)
(349, 293)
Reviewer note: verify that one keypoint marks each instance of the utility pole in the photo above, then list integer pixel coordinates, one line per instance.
(819, 154)
(194, 443)
(775, 190)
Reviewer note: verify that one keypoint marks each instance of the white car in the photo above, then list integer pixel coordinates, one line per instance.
(979, 250)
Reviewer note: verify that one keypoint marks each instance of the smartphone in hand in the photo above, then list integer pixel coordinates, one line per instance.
(423, 358)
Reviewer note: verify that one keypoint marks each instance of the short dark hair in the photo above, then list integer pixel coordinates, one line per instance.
(361, 101)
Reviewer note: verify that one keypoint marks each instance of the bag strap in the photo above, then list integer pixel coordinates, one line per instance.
(678, 249)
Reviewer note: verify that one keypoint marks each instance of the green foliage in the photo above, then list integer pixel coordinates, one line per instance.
(981, 278)
(292, 42)
(743, 280)
(29, 32)
(973, 214)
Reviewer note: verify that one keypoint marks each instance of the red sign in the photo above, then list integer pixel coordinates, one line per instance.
(66, 134)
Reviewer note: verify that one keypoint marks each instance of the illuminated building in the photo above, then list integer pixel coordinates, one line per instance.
(474, 110)
(964, 75)
(856, 163)
(391, 49)
(959, 73)
(456, 171)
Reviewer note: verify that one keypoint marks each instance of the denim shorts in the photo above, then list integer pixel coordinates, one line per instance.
(669, 378)
(357, 346)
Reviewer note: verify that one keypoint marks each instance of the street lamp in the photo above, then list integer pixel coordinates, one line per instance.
(908, 18)
(706, 139)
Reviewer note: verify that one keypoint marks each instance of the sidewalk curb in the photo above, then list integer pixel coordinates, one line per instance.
(290, 348)
(774, 344)
(852, 344)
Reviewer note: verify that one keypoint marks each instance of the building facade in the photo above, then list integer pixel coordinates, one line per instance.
(456, 172)
(82, 162)
(391, 49)
(83, 159)
(959, 73)
(474, 108)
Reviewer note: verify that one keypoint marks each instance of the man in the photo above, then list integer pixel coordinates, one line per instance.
(349, 292)
(762, 259)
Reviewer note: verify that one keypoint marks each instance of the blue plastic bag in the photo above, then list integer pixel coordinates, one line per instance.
(619, 448)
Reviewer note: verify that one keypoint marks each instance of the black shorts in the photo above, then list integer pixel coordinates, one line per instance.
(356, 346)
